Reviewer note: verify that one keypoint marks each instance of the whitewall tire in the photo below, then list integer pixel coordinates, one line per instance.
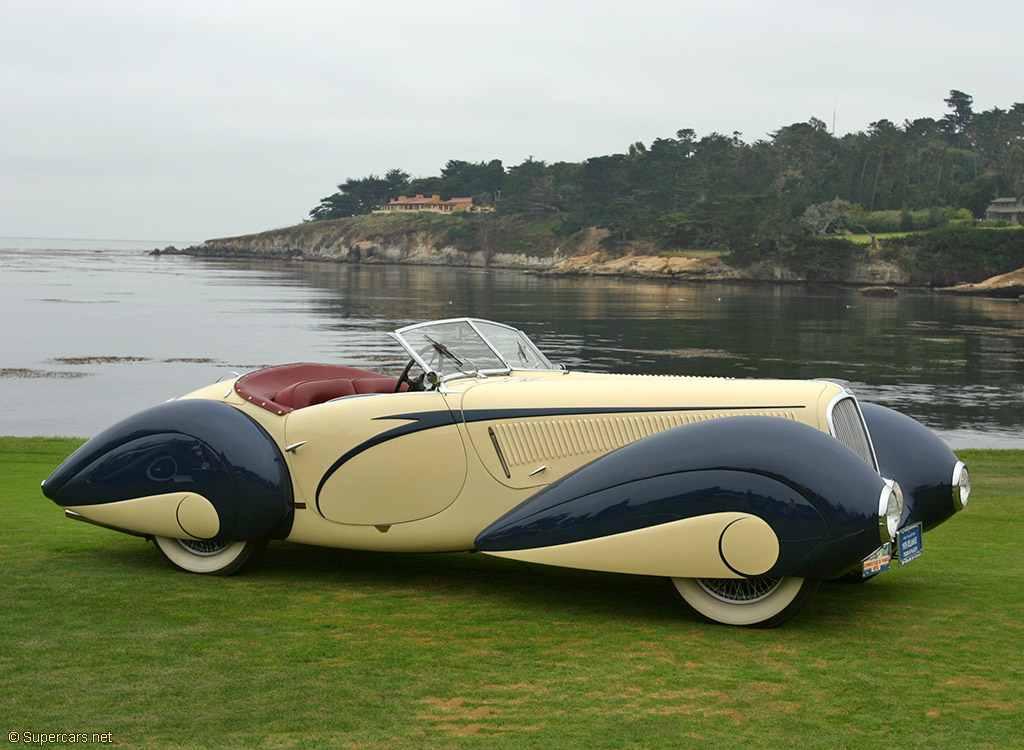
(209, 557)
(750, 602)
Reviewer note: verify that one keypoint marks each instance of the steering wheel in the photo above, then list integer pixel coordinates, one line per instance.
(415, 384)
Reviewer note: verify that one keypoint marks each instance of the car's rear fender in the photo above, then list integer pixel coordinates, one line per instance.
(819, 499)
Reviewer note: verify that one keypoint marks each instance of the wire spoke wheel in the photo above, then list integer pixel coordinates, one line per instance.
(203, 547)
(750, 602)
(739, 590)
(207, 556)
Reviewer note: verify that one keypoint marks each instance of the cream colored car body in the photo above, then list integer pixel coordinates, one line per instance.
(435, 489)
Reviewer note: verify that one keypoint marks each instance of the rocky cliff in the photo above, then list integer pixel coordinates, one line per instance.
(436, 240)
(420, 239)
(1009, 285)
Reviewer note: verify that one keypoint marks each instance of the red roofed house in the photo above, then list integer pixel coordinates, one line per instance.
(433, 203)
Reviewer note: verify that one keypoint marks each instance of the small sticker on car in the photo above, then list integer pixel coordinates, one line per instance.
(877, 562)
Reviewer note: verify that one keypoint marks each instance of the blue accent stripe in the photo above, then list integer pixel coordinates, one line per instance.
(483, 415)
(431, 419)
(417, 423)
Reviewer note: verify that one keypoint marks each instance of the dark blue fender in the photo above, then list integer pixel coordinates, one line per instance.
(819, 497)
(916, 457)
(191, 445)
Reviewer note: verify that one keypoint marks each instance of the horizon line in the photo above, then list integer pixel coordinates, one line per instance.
(86, 239)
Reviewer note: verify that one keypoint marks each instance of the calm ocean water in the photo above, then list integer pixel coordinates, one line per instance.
(96, 330)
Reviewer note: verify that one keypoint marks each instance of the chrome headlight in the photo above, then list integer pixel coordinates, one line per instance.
(890, 508)
(961, 486)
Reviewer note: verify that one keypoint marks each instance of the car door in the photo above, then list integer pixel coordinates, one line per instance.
(377, 459)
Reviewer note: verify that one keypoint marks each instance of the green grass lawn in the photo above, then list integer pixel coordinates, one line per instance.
(326, 648)
(865, 239)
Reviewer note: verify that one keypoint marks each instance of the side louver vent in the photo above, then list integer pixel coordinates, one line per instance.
(848, 428)
(532, 442)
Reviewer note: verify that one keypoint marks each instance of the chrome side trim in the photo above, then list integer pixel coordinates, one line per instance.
(77, 517)
(497, 449)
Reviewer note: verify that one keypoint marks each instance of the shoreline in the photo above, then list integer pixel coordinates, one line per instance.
(869, 280)
(434, 241)
(881, 275)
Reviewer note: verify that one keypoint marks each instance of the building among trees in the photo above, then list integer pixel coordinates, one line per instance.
(1010, 210)
(433, 203)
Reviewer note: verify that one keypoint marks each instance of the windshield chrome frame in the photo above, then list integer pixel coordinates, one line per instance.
(399, 336)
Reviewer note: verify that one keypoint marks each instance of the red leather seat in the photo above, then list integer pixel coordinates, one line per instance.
(311, 392)
(284, 388)
(379, 384)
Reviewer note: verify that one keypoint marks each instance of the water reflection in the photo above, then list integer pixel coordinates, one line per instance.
(954, 363)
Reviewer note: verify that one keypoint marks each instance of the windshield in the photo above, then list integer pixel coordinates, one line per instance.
(470, 346)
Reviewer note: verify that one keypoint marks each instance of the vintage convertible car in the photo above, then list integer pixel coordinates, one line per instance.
(745, 493)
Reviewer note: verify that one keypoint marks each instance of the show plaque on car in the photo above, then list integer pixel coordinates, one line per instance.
(877, 562)
(909, 541)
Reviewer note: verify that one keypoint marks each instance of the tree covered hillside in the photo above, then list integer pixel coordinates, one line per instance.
(763, 199)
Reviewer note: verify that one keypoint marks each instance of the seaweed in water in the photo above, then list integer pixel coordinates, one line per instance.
(24, 372)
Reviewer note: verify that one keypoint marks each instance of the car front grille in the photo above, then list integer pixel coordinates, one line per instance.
(848, 428)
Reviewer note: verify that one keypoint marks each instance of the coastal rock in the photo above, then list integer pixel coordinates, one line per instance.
(600, 263)
(339, 242)
(1009, 285)
(879, 273)
(878, 291)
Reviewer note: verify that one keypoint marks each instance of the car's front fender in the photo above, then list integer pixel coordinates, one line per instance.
(187, 468)
(919, 460)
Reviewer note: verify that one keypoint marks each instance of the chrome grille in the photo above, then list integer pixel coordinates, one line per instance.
(848, 428)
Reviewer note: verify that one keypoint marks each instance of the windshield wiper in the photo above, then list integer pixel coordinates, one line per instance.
(446, 352)
(442, 349)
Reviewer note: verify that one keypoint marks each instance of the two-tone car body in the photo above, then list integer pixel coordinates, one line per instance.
(745, 493)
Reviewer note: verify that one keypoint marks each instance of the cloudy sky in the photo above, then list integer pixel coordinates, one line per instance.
(181, 121)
